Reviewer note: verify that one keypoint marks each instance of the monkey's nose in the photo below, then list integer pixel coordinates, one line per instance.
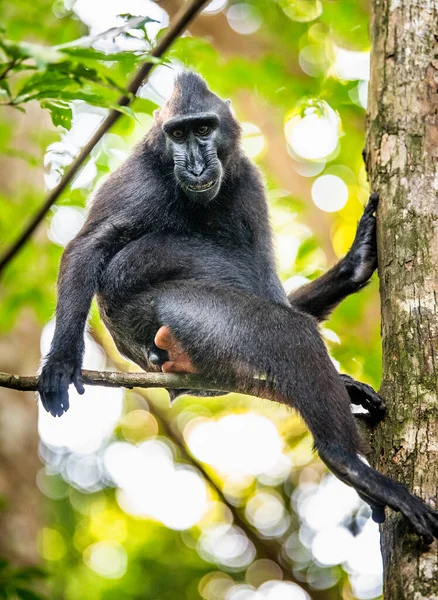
(196, 170)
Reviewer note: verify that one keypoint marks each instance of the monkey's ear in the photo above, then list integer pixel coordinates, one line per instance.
(228, 102)
(156, 114)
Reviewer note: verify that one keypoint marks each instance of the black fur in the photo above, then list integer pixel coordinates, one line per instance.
(157, 250)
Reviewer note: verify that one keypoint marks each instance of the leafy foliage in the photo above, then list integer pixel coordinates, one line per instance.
(56, 76)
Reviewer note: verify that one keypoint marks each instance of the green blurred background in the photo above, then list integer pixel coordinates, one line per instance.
(126, 497)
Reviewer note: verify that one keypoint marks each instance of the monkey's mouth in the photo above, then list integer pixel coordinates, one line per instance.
(201, 187)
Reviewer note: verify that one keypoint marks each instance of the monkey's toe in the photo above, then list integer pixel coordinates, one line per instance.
(362, 394)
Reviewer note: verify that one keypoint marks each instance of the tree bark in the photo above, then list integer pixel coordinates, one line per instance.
(402, 161)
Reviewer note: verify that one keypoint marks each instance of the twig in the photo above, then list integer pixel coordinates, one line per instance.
(127, 380)
(176, 28)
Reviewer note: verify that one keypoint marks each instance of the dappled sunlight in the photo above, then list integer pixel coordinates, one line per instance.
(271, 590)
(151, 485)
(227, 545)
(65, 224)
(253, 140)
(329, 193)
(315, 134)
(107, 559)
(239, 445)
(302, 11)
(244, 18)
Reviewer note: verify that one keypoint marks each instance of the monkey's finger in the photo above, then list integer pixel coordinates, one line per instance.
(63, 399)
(78, 382)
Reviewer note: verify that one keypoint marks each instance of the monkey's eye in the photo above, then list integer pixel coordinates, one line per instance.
(203, 130)
(178, 134)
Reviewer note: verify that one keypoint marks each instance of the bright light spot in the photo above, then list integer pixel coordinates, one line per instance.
(305, 168)
(85, 177)
(350, 65)
(232, 443)
(244, 18)
(242, 592)
(314, 136)
(302, 11)
(59, 155)
(271, 590)
(282, 590)
(266, 512)
(330, 335)
(295, 282)
(138, 425)
(160, 85)
(330, 193)
(253, 140)
(227, 545)
(153, 486)
(84, 472)
(362, 89)
(87, 424)
(365, 556)
(325, 505)
(261, 571)
(287, 247)
(214, 7)
(65, 224)
(332, 546)
(313, 60)
(107, 559)
(364, 563)
(214, 586)
(51, 544)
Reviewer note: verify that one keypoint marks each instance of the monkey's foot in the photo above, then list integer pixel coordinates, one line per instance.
(178, 360)
(361, 259)
(363, 395)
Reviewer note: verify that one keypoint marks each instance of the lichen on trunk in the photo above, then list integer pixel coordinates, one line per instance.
(402, 162)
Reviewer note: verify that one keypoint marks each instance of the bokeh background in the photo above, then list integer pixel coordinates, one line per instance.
(127, 497)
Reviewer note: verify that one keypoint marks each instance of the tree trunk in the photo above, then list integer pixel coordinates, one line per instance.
(402, 160)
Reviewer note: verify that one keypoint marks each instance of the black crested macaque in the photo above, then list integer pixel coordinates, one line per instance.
(177, 246)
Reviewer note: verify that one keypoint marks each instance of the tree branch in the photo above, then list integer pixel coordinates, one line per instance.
(176, 28)
(127, 380)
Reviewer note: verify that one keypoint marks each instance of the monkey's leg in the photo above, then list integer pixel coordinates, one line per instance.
(171, 357)
(237, 337)
(319, 297)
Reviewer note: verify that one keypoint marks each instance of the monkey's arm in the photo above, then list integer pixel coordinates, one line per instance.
(81, 263)
(352, 273)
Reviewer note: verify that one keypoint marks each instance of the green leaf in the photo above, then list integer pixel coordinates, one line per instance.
(60, 112)
(4, 87)
(126, 110)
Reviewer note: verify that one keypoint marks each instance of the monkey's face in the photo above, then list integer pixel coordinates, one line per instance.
(193, 142)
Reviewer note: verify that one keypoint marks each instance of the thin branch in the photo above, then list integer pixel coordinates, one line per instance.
(177, 27)
(127, 380)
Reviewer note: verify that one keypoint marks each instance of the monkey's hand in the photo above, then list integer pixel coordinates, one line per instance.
(361, 259)
(55, 378)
